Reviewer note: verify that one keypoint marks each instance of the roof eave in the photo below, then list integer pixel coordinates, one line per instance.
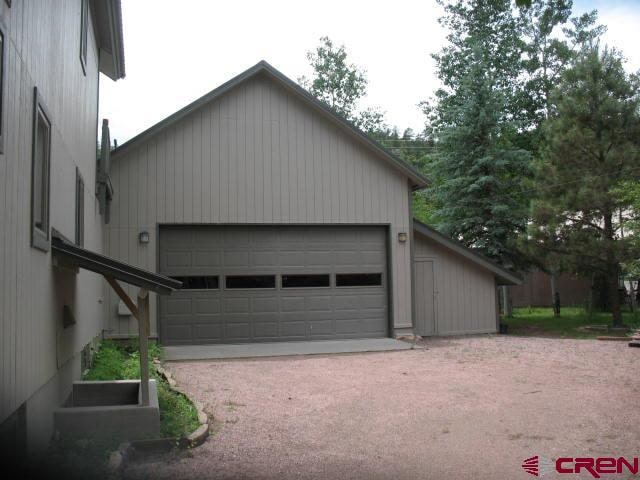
(414, 175)
(503, 276)
(418, 180)
(108, 13)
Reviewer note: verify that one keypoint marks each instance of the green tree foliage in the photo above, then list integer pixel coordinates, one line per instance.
(544, 58)
(584, 31)
(480, 31)
(629, 194)
(592, 146)
(546, 53)
(341, 85)
(412, 148)
(477, 171)
(500, 64)
(416, 150)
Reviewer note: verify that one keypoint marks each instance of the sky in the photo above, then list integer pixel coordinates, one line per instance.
(176, 52)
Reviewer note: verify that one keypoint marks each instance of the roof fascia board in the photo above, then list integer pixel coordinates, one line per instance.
(115, 10)
(111, 58)
(418, 180)
(183, 112)
(505, 276)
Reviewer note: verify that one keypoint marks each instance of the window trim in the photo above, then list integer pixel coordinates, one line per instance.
(282, 286)
(80, 214)
(380, 285)
(275, 281)
(84, 34)
(3, 84)
(41, 239)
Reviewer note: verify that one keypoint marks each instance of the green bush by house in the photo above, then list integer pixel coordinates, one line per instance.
(120, 361)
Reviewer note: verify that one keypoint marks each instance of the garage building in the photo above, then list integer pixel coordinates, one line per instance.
(284, 222)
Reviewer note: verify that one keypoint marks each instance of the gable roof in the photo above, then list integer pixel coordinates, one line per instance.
(504, 276)
(418, 180)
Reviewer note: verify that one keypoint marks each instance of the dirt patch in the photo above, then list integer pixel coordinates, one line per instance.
(451, 408)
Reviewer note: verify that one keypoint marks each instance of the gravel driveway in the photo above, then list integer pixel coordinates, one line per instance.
(453, 408)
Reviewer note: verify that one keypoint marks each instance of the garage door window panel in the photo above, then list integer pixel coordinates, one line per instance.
(306, 281)
(358, 279)
(202, 282)
(250, 282)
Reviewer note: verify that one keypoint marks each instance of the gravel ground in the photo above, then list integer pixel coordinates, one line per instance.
(453, 408)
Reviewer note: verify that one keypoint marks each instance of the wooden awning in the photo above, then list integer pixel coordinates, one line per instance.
(109, 267)
(113, 270)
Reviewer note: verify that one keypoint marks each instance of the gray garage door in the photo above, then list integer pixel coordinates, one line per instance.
(273, 283)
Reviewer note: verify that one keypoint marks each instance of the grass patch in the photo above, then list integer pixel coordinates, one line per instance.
(540, 322)
(121, 361)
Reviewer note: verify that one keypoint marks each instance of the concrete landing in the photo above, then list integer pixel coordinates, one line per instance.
(278, 349)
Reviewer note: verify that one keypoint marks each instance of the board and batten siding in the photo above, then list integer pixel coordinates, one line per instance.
(256, 155)
(42, 46)
(465, 292)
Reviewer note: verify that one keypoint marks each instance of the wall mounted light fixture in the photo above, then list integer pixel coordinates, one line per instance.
(143, 237)
(402, 237)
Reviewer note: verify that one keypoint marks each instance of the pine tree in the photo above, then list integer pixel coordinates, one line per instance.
(592, 146)
(478, 172)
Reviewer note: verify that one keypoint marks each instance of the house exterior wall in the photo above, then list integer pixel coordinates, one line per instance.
(465, 293)
(42, 45)
(256, 155)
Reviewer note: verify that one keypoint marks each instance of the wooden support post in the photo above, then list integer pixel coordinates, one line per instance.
(143, 336)
(123, 295)
(141, 313)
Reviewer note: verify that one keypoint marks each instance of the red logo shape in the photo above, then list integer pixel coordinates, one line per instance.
(532, 466)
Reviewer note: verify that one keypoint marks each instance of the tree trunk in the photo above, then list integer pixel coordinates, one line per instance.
(613, 271)
(614, 297)
(591, 301)
(555, 296)
(507, 306)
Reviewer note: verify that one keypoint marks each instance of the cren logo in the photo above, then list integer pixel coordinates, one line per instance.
(538, 466)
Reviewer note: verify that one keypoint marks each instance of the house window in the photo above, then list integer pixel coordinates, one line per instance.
(358, 279)
(79, 209)
(205, 282)
(41, 149)
(84, 26)
(250, 281)
(305, 281)
(3, 69)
